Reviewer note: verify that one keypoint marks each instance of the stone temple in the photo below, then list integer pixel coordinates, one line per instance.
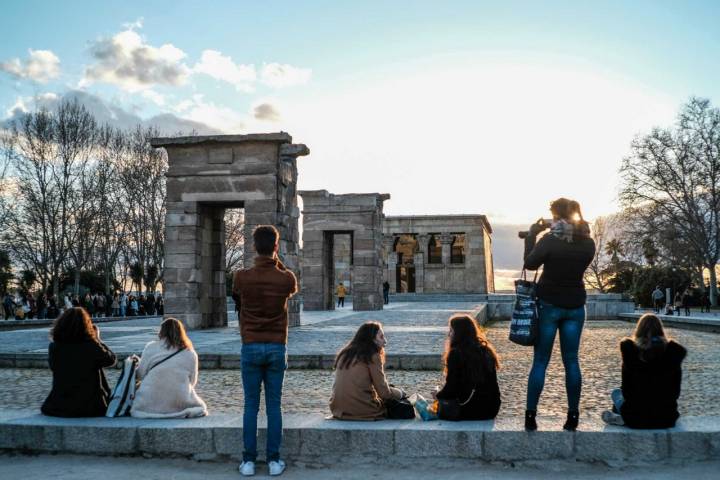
(345, 237)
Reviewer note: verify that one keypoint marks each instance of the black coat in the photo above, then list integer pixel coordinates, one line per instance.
(485, 401)
(651, 388)
(79, 386)
(564, 264)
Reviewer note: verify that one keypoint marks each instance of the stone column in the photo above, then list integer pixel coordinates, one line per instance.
(391, 263)
(446, 244)
(419, 260)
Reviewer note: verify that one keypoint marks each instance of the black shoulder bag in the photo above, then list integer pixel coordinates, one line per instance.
(449, 408)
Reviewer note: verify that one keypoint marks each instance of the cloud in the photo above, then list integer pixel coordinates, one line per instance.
(278, 75)
(127, 61)
(106, 112)
(266, 112)
(41, 66)
(221, 67)
(221, 118)
(154, 97)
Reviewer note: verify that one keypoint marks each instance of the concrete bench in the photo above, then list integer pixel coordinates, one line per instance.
(314, 440)
(702, 324)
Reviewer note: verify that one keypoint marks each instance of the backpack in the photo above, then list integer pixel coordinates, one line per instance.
(124, 392)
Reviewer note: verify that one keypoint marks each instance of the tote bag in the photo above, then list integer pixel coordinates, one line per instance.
(524, 321)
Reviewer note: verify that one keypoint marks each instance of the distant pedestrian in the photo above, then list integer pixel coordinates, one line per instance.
(123, 304)
(341, 292)
(8, 306)
(686, 299)
(150, 304)
(657, 298)
(678, 303)
(160, 305)
(133, 306)
(386, 292)
(705, 302)
(115, 305)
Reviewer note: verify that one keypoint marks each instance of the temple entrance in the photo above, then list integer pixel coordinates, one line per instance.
(207, 175)
(342, 242)
(405, 279)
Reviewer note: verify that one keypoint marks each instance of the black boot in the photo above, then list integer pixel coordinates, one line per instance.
(530, 423)
(571, 423)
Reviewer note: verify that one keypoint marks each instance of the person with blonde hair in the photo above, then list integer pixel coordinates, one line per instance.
(168, 370)
(651, 378)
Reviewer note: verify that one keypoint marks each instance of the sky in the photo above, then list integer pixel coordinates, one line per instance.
(452, 107)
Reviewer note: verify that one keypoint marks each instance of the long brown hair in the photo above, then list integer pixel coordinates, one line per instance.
(650, 337)
(73, 326)
(470, 341)
(173, 333)
(568, 210)
(361, 348)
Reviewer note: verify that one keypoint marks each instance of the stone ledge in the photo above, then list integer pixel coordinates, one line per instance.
(231, 361)
(681, 321)
(277, 137)
(314, 439)
(46, 322)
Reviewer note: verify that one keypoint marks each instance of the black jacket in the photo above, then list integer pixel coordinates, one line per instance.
(485, 402)
(79, 386)
(651, 388)
(564, 264)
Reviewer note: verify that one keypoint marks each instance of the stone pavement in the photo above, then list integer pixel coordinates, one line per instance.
(417, 328)
(75, 467)
(307, 391)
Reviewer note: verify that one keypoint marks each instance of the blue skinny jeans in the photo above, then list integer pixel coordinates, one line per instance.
(263, 364)
(569, 321)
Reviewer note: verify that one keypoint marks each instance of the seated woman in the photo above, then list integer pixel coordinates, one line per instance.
(651, 378)
(168, 369)
(77, 358)
(470, 371)
(360, 388)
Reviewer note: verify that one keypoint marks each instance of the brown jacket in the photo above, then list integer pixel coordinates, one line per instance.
(263, 292)
(358, 391)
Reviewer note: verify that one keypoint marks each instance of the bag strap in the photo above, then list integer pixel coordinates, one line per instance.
(164, 360)
(523, 275)
(468, 399)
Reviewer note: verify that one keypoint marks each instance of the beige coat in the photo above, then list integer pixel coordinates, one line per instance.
(168, 390)
(358, 391)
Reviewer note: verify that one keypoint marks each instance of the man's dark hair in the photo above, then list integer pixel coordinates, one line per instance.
(265, 238)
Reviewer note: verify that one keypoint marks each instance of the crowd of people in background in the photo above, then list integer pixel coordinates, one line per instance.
(681, 303)
(25, 306)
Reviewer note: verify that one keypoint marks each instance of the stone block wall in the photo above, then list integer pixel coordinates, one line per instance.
(326, 216)
(206, 175)
(475, 275)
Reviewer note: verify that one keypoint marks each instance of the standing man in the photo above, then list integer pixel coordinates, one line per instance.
(657, 298)
(341, 292)
(262, 293)
(123, 304)
(386, 292)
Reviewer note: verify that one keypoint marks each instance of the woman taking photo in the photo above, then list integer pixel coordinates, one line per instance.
(651, 378)
(77, 358)
(470, 372)
(360, 389)
(564, 253)
(168, 369)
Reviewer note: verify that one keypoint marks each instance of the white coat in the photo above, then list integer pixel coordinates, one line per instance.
(168, 390)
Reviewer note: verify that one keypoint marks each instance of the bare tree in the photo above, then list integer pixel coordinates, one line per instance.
(598, 272)
(234, 239)
(676, 172)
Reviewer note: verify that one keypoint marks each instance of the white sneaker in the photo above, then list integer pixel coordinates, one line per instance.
(612, 418)
(247, 469)
(276, 467)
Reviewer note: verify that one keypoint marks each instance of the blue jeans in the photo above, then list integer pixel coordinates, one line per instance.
(263, 363)
(569, 321)
(617, 399)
